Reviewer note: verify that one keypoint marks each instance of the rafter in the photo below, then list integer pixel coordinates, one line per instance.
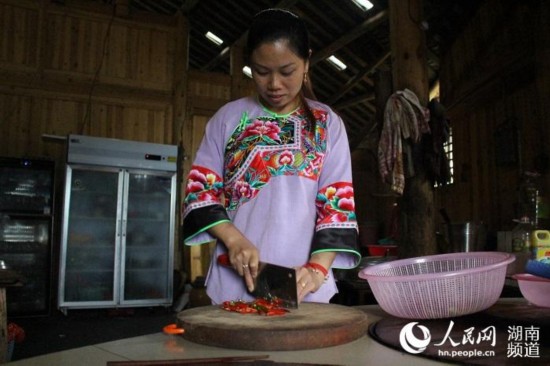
(357, 78)
(188, 5)
(363, 98)
(349, 37)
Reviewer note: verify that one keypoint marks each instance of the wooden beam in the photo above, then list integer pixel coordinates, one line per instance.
(181, 33)
(363, 98)
(3, 326)
(188, 5)
(181, 121)
(74, 87)
(355, 120)
(151, 6)
(355, 33)
(235, 69)
(357, 78)
(416, 206)
(218, 59)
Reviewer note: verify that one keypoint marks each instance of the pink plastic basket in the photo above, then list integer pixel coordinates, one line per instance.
(438, 286)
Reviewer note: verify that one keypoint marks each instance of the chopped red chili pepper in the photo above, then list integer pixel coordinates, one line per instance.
(260, 306)
(279, 311)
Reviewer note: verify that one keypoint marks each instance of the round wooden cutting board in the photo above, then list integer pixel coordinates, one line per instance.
(312, 325)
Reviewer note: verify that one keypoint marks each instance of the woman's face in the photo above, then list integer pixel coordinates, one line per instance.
(278, 74)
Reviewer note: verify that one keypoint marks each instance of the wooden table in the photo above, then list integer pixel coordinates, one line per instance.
(365, 351)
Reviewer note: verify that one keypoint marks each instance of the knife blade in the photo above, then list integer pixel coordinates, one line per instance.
(272, 282)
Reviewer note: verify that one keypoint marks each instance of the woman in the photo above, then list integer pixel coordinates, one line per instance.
(272, 177)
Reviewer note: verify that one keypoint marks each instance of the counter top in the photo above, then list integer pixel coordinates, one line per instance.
(158, 346)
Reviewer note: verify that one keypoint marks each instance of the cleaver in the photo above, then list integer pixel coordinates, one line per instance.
(273, 282)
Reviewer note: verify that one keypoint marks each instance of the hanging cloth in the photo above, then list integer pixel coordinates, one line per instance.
(405, 121)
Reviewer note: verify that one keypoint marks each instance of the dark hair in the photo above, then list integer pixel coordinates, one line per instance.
(271, 25)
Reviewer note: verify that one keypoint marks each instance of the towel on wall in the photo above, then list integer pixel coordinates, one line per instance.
(405, 121)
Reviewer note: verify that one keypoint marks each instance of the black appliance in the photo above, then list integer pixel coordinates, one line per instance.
(26, 225)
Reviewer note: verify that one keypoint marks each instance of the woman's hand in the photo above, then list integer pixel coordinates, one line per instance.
(310, 279)
(307, 281)
(244, 257)
(243, 254)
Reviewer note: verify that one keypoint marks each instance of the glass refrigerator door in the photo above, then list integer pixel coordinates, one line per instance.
(147, 276)
(25, 248)
(92, 233)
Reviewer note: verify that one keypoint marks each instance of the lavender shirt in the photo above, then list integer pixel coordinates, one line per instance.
(287, 190)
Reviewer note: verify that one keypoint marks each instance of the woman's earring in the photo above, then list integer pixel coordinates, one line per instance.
(305, 77)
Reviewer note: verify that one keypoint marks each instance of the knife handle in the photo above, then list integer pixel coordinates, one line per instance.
(223, 259)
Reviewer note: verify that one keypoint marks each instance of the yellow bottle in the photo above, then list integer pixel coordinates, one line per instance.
(540, 243)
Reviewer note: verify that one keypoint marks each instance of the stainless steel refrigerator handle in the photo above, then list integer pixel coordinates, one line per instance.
(119, 228)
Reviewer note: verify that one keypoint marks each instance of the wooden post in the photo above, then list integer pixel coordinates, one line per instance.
(181, 126)
(237, 64)
(3, 326)
(409, 69)
(180, 77)
(385, 198)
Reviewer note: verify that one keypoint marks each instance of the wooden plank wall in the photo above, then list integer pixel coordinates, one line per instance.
(492, 74)
(82, 68)
(71, 70)
(85, 68)
(206, 92)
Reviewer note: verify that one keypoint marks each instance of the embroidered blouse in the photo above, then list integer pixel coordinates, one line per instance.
(288, 190)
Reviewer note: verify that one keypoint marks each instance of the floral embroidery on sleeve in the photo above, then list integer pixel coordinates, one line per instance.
(336, 205)
(203, 188)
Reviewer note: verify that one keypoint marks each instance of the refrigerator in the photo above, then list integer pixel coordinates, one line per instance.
(26, 226)
(119, 212)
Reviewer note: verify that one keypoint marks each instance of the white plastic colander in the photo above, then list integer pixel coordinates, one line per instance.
(438, 286)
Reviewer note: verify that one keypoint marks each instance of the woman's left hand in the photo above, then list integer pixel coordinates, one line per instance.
(307, 281)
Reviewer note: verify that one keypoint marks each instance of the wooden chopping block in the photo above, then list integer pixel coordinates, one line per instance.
(312, 325)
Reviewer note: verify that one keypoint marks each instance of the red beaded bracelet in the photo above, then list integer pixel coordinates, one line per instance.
(316, 267)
